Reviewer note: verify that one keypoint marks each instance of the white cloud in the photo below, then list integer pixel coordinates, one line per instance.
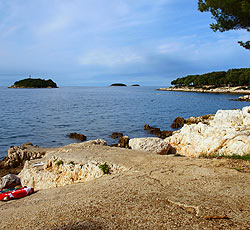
(111, 58)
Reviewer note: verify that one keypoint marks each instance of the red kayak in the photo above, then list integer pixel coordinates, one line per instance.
(15, 194)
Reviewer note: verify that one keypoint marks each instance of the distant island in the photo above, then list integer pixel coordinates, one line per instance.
(34, 83)
(135, 85)
(118, 84)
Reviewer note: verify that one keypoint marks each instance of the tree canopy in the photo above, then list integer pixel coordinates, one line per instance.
(233, 77)
(229, 15)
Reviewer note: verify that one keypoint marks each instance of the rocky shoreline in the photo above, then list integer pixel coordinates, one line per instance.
(224, 90)
(146, 186)
(226, 133)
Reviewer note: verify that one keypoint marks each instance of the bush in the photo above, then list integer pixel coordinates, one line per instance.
(105, 168)
(58, 163)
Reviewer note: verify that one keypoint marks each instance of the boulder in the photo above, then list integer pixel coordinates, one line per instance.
(228, 118)
(116, 135)
(156, 131)
(226, 133)
(195, 120)
(178, 122)
(10, 181)
(164, 134)
(244, 98)
(123, 142)
(150, 144)
(246, 115)
(27, 144)
(78, 136)
(17, 155)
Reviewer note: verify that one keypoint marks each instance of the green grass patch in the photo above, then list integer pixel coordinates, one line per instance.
(237, 157)
(58, 163)
(105, 168)
(72, 163)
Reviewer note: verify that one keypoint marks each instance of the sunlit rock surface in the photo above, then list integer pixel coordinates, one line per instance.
(228, 133)
(150, 144)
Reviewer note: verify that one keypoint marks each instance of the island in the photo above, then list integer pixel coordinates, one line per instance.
(34, 83)
(235, 81)
(135, 85)
(118, 84)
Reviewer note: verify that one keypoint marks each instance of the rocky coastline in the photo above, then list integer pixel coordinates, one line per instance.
(145, 179)
(224, 90)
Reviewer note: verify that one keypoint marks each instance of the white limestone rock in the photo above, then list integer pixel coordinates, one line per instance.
(52, 174)
(227, 134)
(246, 115)
(228, 118)
(150, 144)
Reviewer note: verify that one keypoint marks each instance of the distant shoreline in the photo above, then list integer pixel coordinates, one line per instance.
(223, 90)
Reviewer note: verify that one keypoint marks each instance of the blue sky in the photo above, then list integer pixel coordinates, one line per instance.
(99, 42)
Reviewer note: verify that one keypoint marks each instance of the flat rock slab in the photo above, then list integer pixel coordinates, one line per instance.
(156, 192)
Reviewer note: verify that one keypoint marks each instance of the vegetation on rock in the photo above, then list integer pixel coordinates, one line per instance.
(105, 168)
(34, 83)
(58, 163)
(234, 156)
(233, 77)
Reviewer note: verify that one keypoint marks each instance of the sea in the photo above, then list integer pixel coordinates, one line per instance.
(45, 117)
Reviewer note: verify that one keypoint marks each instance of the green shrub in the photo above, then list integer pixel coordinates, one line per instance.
(58, 163)
(105, 168)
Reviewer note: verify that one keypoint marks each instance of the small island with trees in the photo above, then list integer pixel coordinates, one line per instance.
(34, 83)
(231, 81)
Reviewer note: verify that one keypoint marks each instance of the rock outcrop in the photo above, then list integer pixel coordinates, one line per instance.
(227, 133)
(244, 98)
(56, 172)
(156, 131)
(123, 142)
(17, 155)
(78, 136)
(178, 122)
(150, 144)
(203, 119)
(116, 135)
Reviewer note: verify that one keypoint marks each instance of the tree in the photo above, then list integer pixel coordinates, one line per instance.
(229, 15)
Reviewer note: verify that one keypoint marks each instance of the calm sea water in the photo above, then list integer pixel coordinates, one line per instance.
(46, 116)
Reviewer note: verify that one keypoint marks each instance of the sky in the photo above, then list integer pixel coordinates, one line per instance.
(100, 42)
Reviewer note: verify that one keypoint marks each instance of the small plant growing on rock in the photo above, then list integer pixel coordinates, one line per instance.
(58, 163)
(105, 168)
